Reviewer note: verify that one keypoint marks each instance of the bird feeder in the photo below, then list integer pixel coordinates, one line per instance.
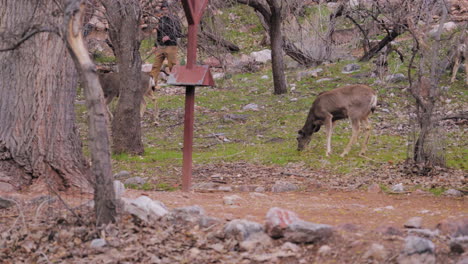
(190, 76)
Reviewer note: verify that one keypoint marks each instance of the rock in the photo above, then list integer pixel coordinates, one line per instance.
(282, 186)
(305, 232)
(394, 78)
(389, 231)
(231, 199)
(205, 186)
(260, 189)
(256, 241)
(398, 188)
(241, 229)
(454, 228)
(414, 222)
(459, 245)
(6, 203)
(256, 195)
(374, 188)
(417, 250)
(265, 77)
(324, 80)
(351, 68)
(190, 215)
(122, 174)
(285, 223)
(324, 250)
(212, 62)
(98, 243)
(424, 232)
(145, 208)
(251, 107)
(453, 192)
(305, 74)
(277, 220)
(119, 189)
(418, 245)
(376, 252)
(447, 27)
(246, 188)
(225, 188)
(135, 181)
(288, 246)
(235, 117)
(218, 75)
(425, 258)
(262, 56)
(6, 187)
(463, 260)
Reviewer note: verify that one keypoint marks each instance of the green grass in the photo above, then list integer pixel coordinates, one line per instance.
(268, 136)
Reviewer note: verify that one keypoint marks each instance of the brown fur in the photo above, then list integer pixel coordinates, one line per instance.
(355, 102)
(110, 83)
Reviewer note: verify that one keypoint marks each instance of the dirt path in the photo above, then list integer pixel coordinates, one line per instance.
(365, 210)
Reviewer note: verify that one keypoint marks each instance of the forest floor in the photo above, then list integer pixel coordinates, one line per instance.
(368, 224)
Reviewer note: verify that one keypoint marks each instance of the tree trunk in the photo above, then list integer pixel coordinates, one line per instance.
(123, 17)
(279, 79)
(39, 142)
(104, 195)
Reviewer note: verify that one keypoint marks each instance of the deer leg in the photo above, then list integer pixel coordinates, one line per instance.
(354, 136)
(367, 128)
(328, 130)
(155, 107)
(143, 107)
(455, 69)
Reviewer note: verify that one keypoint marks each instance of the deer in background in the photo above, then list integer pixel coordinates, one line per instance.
(110, 83)
(355, 102)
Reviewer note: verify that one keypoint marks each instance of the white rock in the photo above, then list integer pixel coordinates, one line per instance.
(262, 56)
(145, 208)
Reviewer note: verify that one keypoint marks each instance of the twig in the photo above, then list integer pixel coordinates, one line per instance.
(40, 207)
(20, 213)
(64, 203)
(45, 256)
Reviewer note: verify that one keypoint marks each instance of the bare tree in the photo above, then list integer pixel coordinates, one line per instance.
(38, 138)
(39, 143)
(429, 54)
(104, 195)
(124, 20)
(273, 12)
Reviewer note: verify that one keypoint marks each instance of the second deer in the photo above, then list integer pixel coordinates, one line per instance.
(355, 102)
(110, 83)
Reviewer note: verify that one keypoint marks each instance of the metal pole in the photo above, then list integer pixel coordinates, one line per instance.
(192, 46)
(188, 138)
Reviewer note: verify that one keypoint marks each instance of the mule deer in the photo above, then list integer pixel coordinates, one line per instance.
(110, 83)
(355, 102)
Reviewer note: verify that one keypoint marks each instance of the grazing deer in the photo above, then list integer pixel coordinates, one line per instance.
(110, 83)
(355, 102)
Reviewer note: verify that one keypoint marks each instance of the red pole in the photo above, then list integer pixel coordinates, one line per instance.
(192, 45)
(188, 138)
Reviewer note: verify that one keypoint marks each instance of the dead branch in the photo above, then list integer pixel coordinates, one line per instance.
(28, 35)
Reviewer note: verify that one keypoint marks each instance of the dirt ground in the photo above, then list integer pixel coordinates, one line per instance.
(34, 228)
(365, 210)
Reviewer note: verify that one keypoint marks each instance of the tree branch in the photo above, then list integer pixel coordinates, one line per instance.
(28, 35)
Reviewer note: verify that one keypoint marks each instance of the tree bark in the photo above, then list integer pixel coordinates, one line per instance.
(39, 142)
(104, 195)
(123, 17)
(279, 79)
